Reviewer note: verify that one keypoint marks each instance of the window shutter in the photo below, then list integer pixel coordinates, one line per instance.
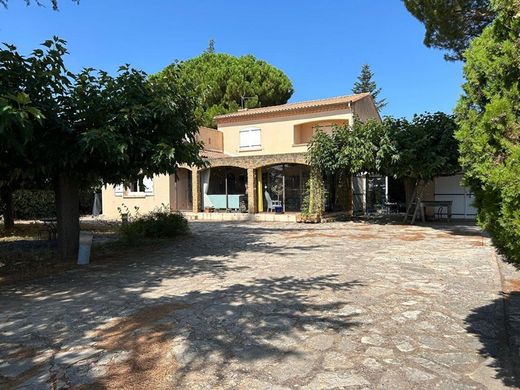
(148, 185)
(119, 189)
(244, 138)
(254, 137)
(250, 138)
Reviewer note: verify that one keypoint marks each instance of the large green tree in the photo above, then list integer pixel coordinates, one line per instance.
(223, 83)
(365, 83)
(489, 118)
(420, 149)
(416, 150)
(423, 147)
(93, 128)
(451, 24)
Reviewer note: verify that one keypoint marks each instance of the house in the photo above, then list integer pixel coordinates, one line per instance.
(256, 162)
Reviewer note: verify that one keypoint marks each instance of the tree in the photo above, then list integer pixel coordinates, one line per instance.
(424, 147)
(54, 3)
(489, 117)
(366, 83)
(96, 128)
(221, 83)
(451, 25)
(416, 150)
(346, 151)
(16, 130)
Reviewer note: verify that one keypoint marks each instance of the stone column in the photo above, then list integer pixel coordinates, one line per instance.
(195, 190)
(259, 190)
(252, 199)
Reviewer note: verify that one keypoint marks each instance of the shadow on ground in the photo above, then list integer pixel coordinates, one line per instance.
(106, 326)
(500, 338)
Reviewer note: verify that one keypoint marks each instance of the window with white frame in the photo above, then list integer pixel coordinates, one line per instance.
(250, 138)
(140, 187)
(136, 186)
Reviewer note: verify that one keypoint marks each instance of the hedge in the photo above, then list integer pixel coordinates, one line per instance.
(36, 204)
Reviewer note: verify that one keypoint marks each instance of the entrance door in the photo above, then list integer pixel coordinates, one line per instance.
(181, 191)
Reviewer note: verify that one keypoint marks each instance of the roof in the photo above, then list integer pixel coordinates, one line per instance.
(290, 107)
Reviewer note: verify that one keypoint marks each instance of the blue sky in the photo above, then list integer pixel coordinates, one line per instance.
(320, 45)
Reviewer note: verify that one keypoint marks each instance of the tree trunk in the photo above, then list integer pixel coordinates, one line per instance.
(67, 212)
(409, 187)
(7, 200)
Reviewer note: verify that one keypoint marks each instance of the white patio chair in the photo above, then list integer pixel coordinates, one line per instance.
(271, 204)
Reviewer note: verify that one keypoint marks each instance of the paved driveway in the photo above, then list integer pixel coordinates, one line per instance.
(267, 306)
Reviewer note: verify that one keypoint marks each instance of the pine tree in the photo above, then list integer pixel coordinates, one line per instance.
(365, 83)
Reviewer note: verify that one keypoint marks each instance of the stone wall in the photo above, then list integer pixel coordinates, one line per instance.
(247, 162)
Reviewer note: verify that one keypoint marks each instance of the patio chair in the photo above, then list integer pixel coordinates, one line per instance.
(271, 204)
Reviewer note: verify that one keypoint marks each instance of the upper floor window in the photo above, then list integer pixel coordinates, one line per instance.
(250, 138)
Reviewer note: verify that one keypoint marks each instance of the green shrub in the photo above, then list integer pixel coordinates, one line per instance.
(36, 204)
(160, 223)
(489, 133)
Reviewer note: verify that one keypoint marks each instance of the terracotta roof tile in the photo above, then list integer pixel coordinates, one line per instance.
(295, 106)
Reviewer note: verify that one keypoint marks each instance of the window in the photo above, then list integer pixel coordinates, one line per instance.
(250, 138)
(136, 186)
(141, 187)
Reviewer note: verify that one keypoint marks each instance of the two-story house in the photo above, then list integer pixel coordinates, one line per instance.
(257, 161)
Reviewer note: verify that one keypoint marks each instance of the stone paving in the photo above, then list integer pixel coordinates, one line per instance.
(269, 306)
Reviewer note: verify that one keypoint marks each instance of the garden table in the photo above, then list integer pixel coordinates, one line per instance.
(436, 203)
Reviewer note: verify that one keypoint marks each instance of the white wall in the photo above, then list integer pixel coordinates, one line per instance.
(451, 188)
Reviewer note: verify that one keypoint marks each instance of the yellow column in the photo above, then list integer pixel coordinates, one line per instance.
(251, 191)
(260, 192)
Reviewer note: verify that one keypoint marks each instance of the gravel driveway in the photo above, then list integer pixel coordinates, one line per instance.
(268, 306)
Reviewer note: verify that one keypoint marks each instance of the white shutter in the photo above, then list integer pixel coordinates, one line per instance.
(254, 137)
(148, 185)
(119, 189)
(244, 138)
(250, 138)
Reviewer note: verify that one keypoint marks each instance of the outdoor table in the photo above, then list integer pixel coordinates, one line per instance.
(435, 203)
(51, 225)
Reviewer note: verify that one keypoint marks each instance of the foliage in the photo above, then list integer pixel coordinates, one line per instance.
(314, 197)
(363, 147)
(95, 127)
(365, 83)
(419, 149)
(220, 82)
(489, 118)
(423, 148)
(160, 223)
(451, 25)
(17, 120)
(36, 204)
